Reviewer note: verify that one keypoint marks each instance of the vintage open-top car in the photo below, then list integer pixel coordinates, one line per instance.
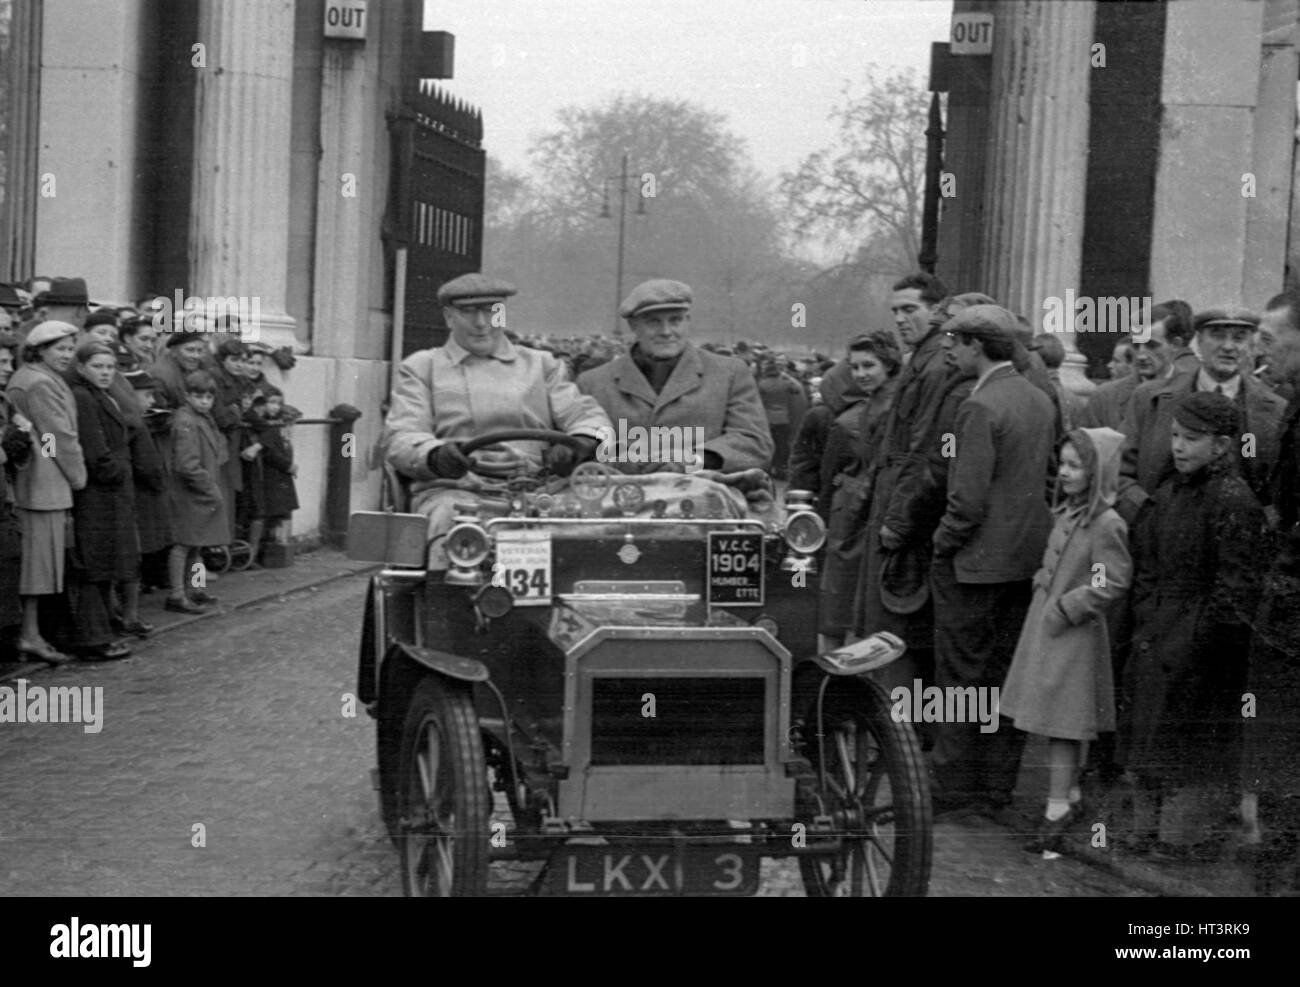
(631, 662)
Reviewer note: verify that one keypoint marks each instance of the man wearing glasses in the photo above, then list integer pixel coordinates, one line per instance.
(1222, 337)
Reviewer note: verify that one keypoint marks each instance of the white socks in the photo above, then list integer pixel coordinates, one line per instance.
(1057, 808)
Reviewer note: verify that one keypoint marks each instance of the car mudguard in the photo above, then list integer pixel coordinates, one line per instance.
(442, 662)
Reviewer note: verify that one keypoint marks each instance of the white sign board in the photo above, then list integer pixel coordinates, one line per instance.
(972, 34)
(345, 19)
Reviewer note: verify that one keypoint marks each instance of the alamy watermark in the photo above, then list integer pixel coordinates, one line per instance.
(199, 313)
(639, 444)
(1084, 313)
(920, 703)
(56, 704)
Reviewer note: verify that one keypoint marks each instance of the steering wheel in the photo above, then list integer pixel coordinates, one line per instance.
(522, 435)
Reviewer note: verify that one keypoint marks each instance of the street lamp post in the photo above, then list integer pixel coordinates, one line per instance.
(622, 178)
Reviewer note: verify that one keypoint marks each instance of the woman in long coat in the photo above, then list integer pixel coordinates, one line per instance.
(15, 453)
(106, 548)
(43, 490)
(851, 445)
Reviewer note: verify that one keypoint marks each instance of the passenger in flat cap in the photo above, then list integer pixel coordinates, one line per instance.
(1197, 551)
(475, 383)
(1222, 337)
(667, 381)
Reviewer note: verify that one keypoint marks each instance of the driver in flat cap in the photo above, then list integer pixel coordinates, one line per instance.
(478, 382)
(665, 380)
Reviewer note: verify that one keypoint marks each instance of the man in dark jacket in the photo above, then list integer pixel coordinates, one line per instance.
(987, 547)
(1273, 734)
(1156, 350)
(1221, 337)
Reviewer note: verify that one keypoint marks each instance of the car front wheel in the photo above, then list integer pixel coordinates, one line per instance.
(443, 798)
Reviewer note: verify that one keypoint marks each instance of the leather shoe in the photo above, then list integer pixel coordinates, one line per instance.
(48, 654)
(105, 652)
(183, 606)
(198, 596)
(1051, 833)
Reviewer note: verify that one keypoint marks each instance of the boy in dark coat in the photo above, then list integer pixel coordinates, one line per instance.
(1196, 555)
(198, 451)
(149, 470)
(279, 495)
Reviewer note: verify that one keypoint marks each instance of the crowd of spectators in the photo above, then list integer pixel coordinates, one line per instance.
(126, 452)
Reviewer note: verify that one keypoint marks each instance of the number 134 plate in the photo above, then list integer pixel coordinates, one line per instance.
(523, 566)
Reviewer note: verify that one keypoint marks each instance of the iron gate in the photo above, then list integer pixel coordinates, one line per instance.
(435, 206)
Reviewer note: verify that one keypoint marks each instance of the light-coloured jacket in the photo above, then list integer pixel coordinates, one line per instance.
(447, 394)
(57, 466)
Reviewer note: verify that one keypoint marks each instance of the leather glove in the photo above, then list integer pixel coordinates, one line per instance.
(562, 459)
(448, 462)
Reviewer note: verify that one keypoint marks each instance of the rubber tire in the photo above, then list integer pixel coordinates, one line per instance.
(445, 706)
(866, 703)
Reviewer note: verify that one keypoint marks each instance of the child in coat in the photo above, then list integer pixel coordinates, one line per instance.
(199, 520)
(279, 496)
(1198, 551)
(1060, 684)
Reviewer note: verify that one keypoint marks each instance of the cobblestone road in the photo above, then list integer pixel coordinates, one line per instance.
(235, 725)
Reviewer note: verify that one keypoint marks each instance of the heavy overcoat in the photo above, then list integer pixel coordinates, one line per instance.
(198, 451)
(1147, 461)
(1060, 683)
(57, 468)
(280, 496)
(153, 511)
(908, 483)
(1273, 734)
(106, 547)
(1196, 553)
(715, 393)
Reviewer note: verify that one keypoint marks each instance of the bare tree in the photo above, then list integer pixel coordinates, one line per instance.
(867, 188)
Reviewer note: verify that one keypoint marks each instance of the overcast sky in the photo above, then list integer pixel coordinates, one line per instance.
(773, 67)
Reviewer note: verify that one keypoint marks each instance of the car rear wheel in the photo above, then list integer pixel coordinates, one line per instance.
(443, 798)
(874, 796)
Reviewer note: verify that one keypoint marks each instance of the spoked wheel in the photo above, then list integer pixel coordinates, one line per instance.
(443, 798)
(241, 555)
(875, 795)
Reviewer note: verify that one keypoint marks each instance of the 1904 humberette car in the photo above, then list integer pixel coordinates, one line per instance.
(617, 679)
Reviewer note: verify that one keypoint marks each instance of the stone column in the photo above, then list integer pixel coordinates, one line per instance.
(1199, 239)
(239, 229)
(1038, 160)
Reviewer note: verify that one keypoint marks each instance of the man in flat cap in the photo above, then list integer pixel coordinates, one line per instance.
(1196, 555)
(987, 547)
(1222, 337)
(475, 383)
(665, 380)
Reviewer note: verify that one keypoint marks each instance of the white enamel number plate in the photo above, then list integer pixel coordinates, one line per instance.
(523, 566)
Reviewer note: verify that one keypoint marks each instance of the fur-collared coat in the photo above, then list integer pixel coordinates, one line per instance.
(106, 547)
(198, 451)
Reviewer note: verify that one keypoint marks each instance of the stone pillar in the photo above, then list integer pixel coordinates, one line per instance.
(1038, 160)
(84, 185)
(239, 228)
(1199, 231)
(1268, 212)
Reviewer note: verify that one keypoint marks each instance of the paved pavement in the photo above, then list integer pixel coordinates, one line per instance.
(225, 766)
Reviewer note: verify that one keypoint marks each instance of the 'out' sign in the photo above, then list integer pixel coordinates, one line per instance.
(345, 19)
(972, 34)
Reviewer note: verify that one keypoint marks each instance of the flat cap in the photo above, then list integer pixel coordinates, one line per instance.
(185, 336)
(1225, 317)
(985, 322)
(141, 380)
(1205, 411)
(475, 289)
(49, 331)
(9, 297)
(654, 296)
(64, 291)
(100, 317)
